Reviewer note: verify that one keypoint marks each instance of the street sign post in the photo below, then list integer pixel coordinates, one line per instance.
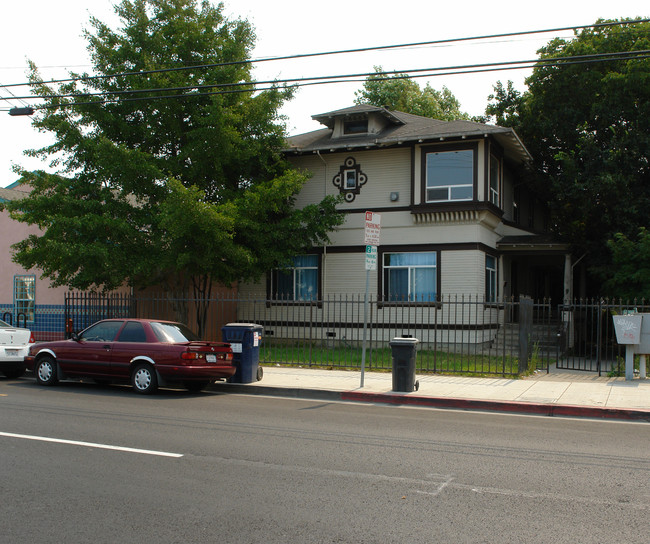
(371, 233)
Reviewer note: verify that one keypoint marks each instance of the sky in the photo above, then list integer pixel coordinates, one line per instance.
(50, 34)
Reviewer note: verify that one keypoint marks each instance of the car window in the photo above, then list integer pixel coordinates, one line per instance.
(4, 325)
(132, 332)
(173, 332)
(104, 331)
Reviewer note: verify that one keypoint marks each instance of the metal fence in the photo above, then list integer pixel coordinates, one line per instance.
(457, 334)
(588, 340)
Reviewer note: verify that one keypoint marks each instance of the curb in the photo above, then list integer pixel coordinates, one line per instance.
(550, 410)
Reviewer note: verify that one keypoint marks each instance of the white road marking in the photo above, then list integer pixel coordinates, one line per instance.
(91, 445)
(447, 479)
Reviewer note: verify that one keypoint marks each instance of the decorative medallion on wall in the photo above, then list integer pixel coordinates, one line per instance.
(350, 179)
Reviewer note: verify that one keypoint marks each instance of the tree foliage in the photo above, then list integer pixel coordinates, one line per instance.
(399, 92)
(587, 125)
(168, 163)
(630, 274)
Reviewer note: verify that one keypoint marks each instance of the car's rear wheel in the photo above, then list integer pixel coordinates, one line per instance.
(45, 371)
(144, 379)
(195, 387)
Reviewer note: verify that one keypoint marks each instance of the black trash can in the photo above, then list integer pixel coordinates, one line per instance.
(245, 340)
(403, 354)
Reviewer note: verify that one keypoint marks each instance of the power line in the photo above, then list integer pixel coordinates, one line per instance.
(413, 72)
(352, 78)
(338, 52)
(14, 97)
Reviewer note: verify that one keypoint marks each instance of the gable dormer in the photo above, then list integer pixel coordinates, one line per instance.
(358, 121)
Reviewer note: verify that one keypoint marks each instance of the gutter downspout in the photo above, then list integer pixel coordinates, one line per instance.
(324, 268)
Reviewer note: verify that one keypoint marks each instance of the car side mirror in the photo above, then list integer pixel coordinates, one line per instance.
(74, 336)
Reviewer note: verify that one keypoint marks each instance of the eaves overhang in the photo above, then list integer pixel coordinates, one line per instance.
(532, 244)
(321, 141)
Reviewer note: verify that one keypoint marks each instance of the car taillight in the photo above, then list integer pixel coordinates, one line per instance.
(228, 356)
(191, 355)
(31, 338)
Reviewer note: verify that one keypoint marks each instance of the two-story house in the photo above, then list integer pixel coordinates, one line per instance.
(456, 214)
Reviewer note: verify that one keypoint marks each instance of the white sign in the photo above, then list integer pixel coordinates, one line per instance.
(373, 226)
(371, 257)
(628, 328)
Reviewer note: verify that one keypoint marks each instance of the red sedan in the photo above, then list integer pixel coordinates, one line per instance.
(145, 352)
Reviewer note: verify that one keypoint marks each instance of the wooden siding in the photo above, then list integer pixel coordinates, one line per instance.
(387, 171)
(346, 273)
(462, 272)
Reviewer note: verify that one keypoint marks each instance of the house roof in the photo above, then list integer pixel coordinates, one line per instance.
(7, 194)
(403, 128)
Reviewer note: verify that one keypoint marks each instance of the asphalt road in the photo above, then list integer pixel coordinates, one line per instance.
(218, 467)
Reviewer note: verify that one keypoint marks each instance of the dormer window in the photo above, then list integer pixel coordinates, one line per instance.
(355, 126)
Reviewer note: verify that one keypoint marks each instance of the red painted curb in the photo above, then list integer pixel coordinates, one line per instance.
(499, 406)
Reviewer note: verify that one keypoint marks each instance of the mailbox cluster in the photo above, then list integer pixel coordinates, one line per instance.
(633, 331)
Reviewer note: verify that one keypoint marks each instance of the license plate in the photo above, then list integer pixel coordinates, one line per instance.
(12, 352)
(211, 358)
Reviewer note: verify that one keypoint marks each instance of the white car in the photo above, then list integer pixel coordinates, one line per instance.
(14, 345)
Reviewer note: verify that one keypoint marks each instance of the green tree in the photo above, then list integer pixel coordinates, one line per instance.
(169, 164)
(399, 92)
(504, 105)
(630, 274)
(587, 125)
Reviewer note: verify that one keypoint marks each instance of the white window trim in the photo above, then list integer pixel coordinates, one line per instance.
(409, 268)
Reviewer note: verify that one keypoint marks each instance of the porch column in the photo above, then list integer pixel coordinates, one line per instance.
(567, 317)
(568, 280)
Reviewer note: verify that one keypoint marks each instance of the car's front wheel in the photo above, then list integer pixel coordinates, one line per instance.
(144, 379)
(45, 371)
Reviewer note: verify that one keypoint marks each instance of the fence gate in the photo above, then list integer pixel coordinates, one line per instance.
(588, 337)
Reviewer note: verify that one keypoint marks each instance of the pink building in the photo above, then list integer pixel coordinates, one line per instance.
(25, 298)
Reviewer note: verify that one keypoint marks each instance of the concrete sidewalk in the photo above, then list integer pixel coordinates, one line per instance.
(559, 393)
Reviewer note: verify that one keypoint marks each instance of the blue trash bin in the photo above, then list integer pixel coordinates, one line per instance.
(245, 340)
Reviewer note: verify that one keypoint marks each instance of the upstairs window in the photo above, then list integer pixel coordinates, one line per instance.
(355, 126)
(410, 276)
(495, 179)
(297, 282)
(449, 175)
(350, 180)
